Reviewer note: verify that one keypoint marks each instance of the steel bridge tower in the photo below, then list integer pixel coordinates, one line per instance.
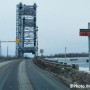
(26, 30)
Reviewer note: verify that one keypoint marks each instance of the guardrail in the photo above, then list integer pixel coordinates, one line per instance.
(59, 64)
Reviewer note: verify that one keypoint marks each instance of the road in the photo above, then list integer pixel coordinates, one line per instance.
(25, 75)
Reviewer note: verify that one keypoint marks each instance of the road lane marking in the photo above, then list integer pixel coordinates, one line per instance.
(24, 83)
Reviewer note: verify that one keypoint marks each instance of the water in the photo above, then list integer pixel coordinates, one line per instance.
(81, 61)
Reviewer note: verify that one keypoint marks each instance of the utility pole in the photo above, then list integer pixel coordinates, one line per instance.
(7, 46)
(7, 51)
(0, 48)
(65, 54)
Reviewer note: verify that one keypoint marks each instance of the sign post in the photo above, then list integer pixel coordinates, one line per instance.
(41, 51)
(89, 50)
(86, 32)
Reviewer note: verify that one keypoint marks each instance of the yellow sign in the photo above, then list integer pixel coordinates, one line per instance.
(17, 40)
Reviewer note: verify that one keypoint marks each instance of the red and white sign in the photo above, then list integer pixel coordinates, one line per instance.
(84, 32)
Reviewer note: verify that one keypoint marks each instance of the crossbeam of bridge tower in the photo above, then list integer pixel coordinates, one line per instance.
(26, 30)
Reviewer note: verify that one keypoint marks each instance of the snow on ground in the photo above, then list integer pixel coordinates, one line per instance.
(84, 69)
(4, 63)
(81, 61)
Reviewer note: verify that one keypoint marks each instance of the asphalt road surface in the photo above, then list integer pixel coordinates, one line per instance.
(25, 75)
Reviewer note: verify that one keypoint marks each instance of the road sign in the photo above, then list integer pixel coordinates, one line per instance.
(41, 51)
(84, 32)
(17, 40)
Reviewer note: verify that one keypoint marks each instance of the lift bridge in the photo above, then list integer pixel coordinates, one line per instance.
(26, 30)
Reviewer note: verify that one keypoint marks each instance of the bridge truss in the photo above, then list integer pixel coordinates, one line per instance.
(26, 30)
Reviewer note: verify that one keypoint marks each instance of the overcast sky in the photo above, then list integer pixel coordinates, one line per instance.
(58, 23)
